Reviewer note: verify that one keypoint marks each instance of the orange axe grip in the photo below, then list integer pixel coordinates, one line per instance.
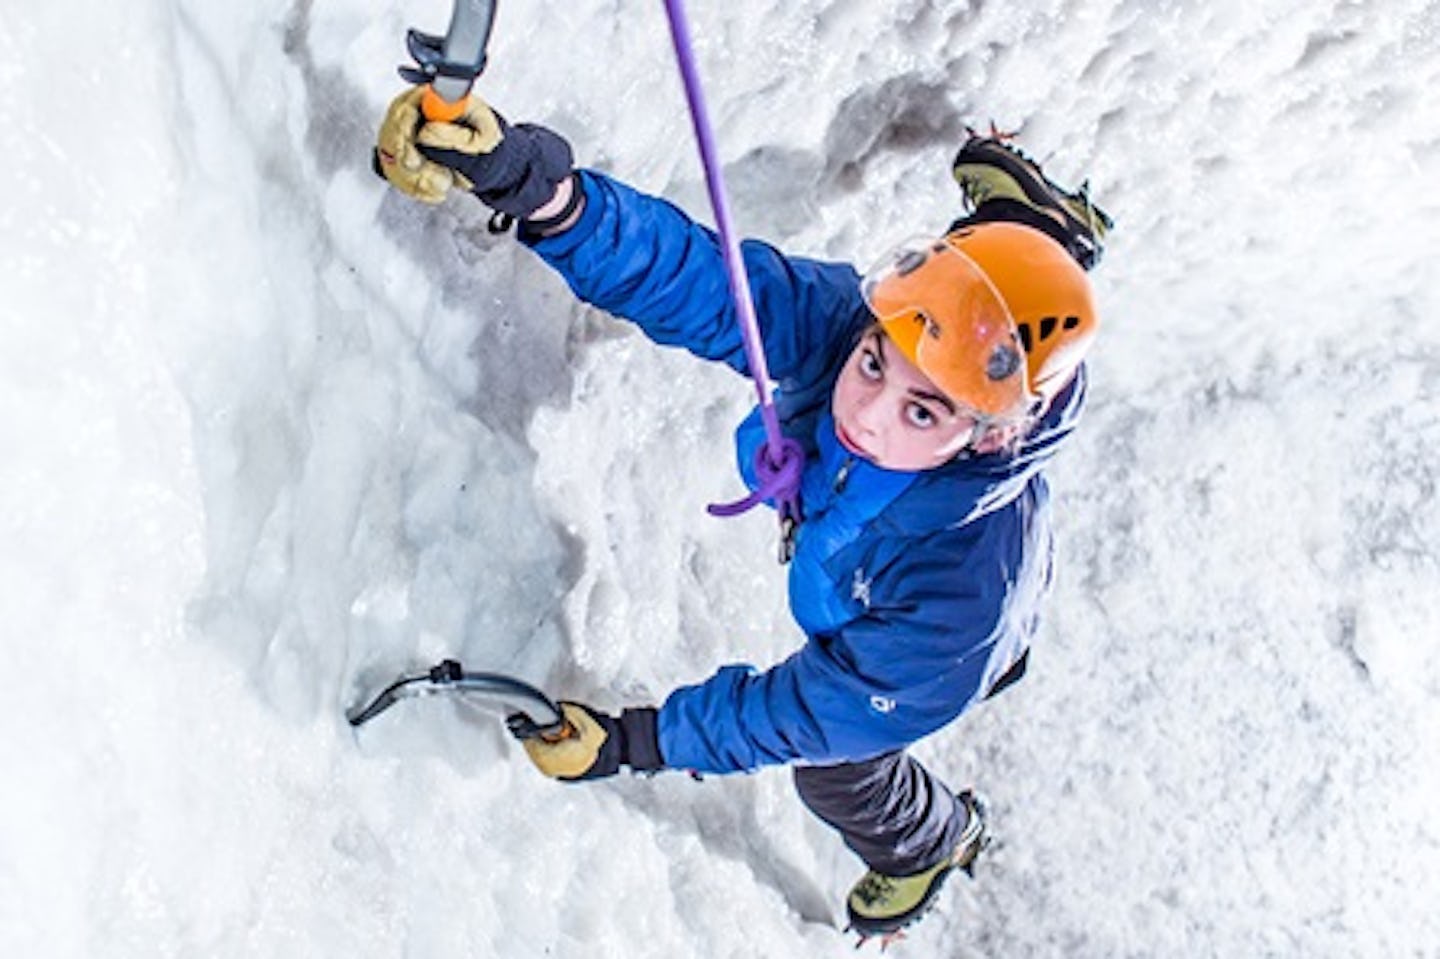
(560, 735)
(437, 108)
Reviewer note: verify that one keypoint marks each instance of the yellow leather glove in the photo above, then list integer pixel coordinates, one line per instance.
(515, 170)
(597, 745)
(404, 129)
(575, 755)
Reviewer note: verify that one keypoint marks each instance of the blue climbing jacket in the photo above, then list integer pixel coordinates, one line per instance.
(917, 591)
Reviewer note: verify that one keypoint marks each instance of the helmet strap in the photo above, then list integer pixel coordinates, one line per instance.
(977, 434)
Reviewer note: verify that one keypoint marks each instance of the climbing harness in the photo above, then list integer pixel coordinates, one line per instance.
(780, 460)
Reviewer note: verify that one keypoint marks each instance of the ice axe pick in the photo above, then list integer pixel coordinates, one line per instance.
(529, 713)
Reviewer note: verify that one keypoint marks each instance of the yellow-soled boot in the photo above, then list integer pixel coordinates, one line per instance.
(881, 905)
(989, 168)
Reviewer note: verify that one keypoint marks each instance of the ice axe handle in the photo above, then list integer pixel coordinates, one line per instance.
(447, 81)
(439, 110)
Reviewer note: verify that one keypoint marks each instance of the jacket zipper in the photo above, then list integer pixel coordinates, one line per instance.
(843, 475)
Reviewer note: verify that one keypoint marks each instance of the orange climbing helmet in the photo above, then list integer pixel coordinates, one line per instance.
(997, 315)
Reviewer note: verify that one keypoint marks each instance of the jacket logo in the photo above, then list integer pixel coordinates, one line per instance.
(882, 704)
(860, 588)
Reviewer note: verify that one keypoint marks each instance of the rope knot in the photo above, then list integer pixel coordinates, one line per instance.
(778, 479)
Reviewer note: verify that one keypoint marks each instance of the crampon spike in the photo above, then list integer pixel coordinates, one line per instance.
(887, 939)
(995, 133)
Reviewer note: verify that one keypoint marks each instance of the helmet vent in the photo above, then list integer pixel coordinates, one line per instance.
(1071, 322)
(1025, 336)
(910, 261)
(1047, 326)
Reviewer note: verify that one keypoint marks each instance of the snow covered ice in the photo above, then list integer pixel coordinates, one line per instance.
(273, 434)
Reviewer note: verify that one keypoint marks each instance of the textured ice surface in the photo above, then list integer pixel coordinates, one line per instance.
(273, 434)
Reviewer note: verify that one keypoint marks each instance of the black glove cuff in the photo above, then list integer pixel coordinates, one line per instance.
(532, 230)
(640, 740)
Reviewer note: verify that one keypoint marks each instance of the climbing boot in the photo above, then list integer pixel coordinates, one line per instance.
(881, 905)
(990, 169)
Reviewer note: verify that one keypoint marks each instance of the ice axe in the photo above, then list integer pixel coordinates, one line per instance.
(530, 713)
(447, 66)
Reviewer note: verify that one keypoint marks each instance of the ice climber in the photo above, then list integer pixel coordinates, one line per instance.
(929, 396)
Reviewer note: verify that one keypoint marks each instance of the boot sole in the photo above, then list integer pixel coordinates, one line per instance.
(989, 162)
(1034, 187)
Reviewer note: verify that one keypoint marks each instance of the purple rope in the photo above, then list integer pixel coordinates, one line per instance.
(779, 461)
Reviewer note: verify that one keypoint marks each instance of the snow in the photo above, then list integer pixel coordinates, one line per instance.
(274, 435)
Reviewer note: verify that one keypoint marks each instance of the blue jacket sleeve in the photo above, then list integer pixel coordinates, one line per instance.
(916, 661)
(641, 258)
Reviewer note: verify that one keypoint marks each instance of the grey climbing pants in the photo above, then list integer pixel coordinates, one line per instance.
(892, 812)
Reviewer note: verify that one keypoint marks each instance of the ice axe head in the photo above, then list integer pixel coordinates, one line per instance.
(448, 65)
